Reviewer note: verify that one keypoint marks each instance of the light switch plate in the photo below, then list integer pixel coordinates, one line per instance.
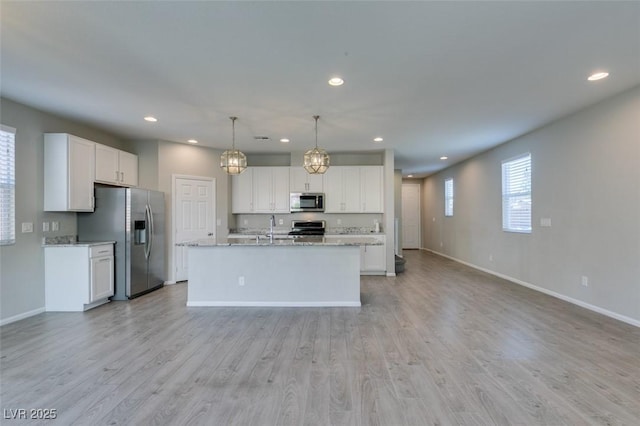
(55, 226)
(27, 227)
(45, 226)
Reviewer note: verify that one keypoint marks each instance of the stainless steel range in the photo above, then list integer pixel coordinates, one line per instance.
(307, 228)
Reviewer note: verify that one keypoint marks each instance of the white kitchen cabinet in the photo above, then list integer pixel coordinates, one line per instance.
(242, 192)
(373, 259)
(271, 189)
(354, 189)
(102, 285)
(371, 189)
(302, 181)
(78, 276)
(69, 173)
(116, 167)
(260, 190)
(342, 189)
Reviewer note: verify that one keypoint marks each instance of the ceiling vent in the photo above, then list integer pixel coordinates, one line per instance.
(261, 138)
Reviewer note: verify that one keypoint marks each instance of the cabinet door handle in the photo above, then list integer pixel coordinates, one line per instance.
(105, 259)
(117, 176)
(104, 252)
(121, 176)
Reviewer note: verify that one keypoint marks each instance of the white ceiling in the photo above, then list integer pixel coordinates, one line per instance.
(431, 78)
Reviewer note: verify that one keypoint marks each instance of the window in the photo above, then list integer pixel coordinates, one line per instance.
(7, 185)
(516, 194)
(448, 197)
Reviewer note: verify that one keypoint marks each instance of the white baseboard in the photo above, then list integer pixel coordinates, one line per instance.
(274, 304)
(560, 296)
(391, 274)
(22, 316)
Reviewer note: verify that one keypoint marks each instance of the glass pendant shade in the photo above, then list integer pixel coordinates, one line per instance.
(316, 161)
(233, 161)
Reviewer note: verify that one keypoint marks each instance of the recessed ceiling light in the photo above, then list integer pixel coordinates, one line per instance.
(192, 141)
(284, 140)
(336, 81)
(444, 157)
(598, 76)
(378, 139)
(151, 119)
(409, 175)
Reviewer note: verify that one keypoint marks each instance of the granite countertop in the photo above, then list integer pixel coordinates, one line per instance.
(71, 241)
(78, 244)
(284, 242)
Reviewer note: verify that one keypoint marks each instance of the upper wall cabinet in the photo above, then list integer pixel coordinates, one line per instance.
(242, 192)
(371, 189)
(354, 189)
(116, 167)
(271, 189)
(68, 173)
(301, 181)
(260, 190)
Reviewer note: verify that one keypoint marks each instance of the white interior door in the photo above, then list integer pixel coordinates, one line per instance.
(194, 209)
(410, 216)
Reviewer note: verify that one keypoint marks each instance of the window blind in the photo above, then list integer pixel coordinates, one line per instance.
(7, 185)
(516, 194)
(448, 197)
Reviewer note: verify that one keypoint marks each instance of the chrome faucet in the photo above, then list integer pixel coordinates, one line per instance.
(272, 223)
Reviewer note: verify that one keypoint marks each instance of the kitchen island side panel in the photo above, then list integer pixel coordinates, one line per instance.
(274, 276)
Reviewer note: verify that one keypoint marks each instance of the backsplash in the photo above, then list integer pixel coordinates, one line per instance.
(356, 230)
(364, 221)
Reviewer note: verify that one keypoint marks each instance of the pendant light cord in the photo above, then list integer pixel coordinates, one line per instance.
(233, 134)
(316, 118)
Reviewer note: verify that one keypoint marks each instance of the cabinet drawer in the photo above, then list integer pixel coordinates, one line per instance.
(102, 250)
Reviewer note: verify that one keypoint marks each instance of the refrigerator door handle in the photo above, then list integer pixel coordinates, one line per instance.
(153, 228)
(147, 243)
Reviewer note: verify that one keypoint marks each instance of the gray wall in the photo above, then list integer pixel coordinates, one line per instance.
(586, 179)
(22, 264)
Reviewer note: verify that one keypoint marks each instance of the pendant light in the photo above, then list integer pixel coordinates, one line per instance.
(316, 161)
(233, 162)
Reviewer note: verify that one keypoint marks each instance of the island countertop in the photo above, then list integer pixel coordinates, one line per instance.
(263, 241)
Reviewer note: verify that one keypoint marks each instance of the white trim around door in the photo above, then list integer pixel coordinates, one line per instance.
(193, 216)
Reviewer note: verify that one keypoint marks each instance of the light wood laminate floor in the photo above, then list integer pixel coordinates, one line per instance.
(440, 344)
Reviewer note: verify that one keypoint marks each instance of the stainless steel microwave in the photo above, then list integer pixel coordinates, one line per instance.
(306, 202)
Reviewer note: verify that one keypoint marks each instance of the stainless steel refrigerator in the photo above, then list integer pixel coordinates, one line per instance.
(134, 218)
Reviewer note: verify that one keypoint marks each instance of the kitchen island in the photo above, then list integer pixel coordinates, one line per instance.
(282, 272)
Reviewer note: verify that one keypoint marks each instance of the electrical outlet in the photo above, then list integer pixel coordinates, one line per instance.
(55, 226)
(441, 244)
(490, 257)
(45, 226)
(246, 222)
(433, 219)
(584, 281)
(218, 222)
(27, 227)
(280, 221)
(339, 221)
(241, 281)
(545, 222)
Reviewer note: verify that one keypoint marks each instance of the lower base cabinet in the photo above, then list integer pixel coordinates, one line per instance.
(373, 259)
(78, 277)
